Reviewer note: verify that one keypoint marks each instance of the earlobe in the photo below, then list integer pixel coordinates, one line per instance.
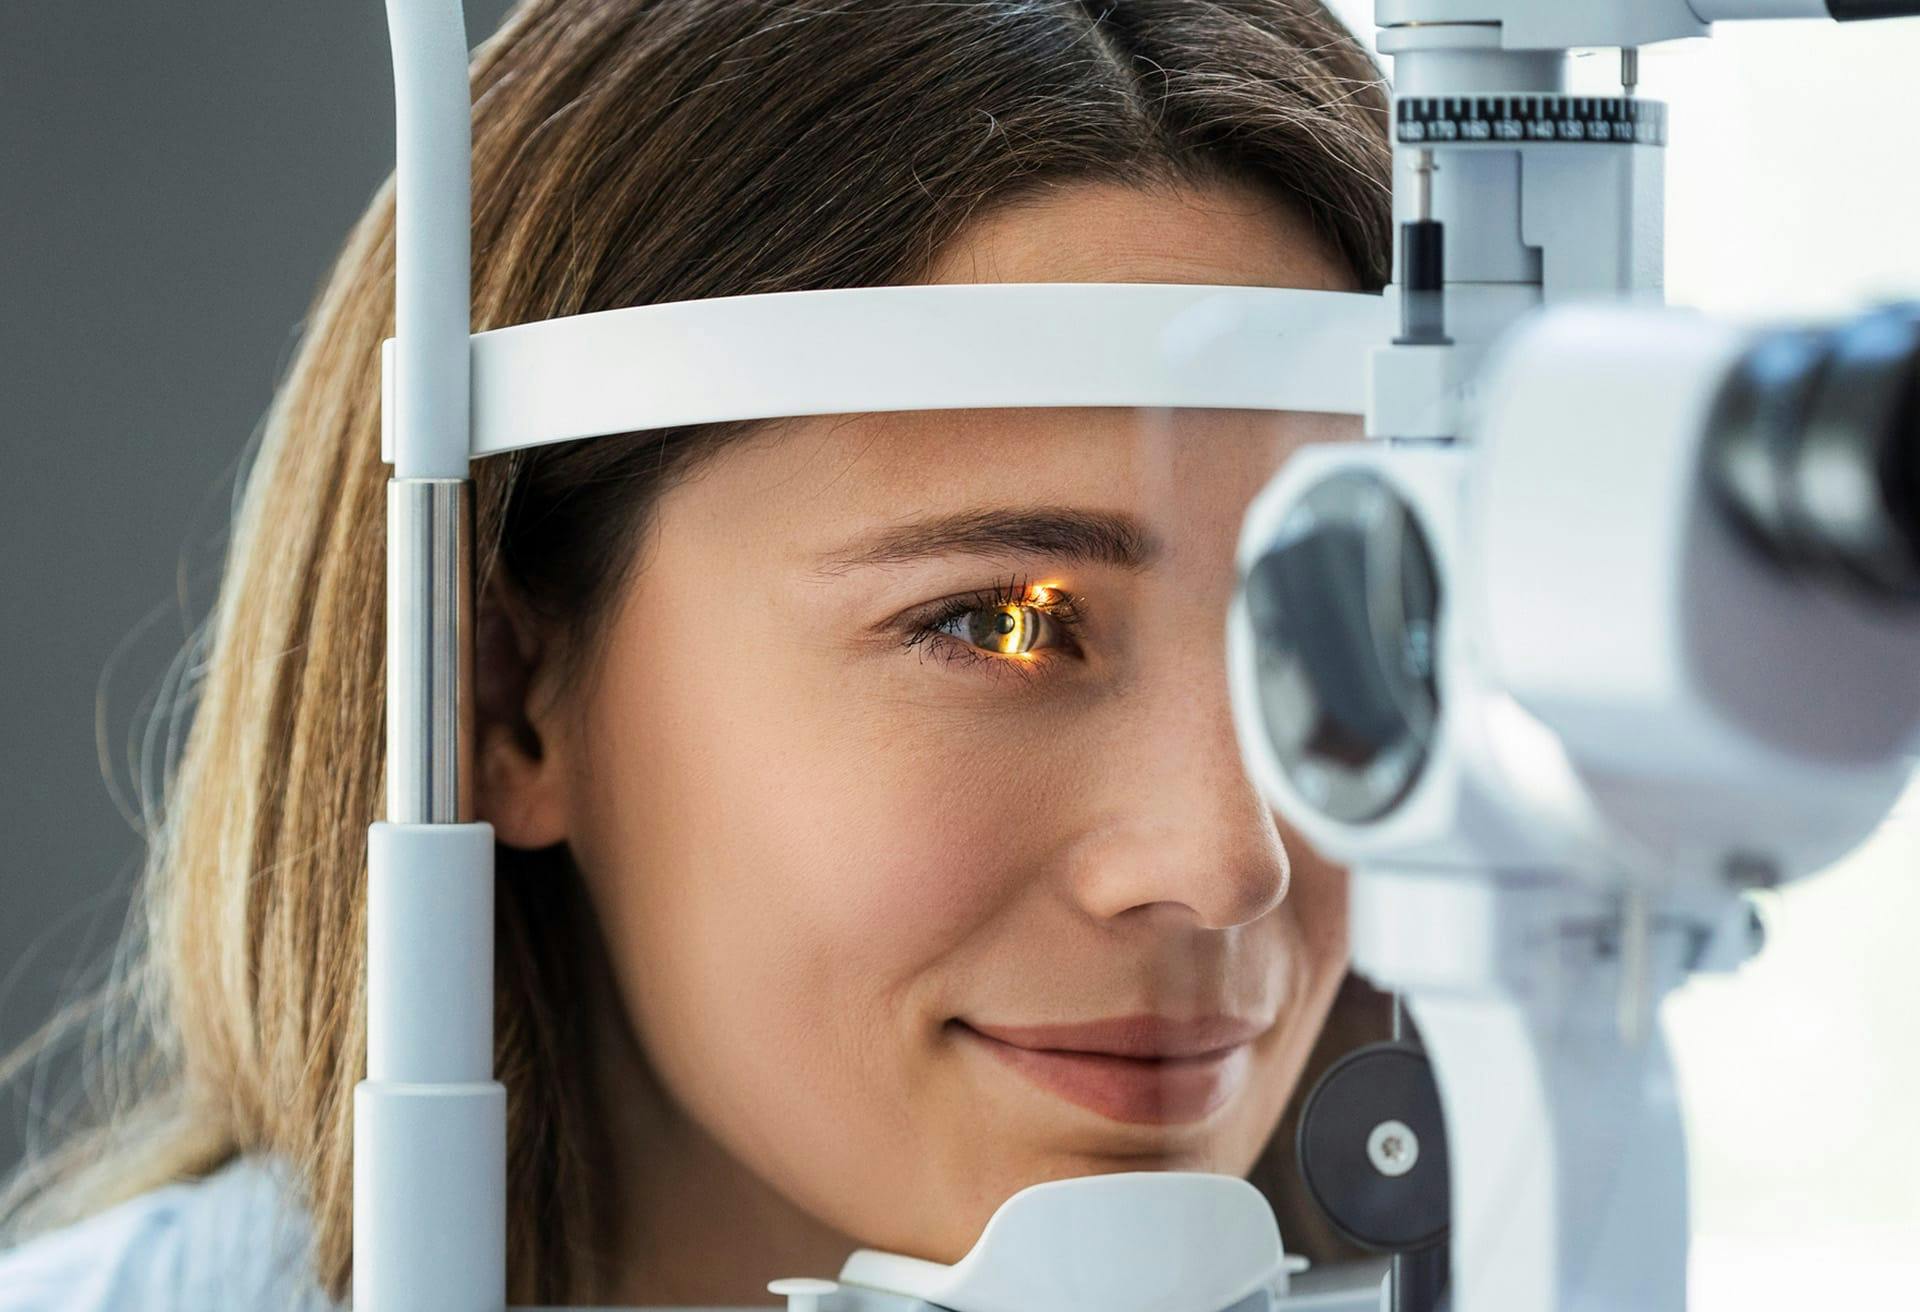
(519, 753)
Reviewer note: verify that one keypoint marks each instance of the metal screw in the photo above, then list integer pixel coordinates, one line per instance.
(1393, 1148)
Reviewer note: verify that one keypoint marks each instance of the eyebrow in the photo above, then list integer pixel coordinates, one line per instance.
(1078, 536)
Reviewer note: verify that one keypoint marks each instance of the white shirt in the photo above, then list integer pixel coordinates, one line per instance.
(233, 1242)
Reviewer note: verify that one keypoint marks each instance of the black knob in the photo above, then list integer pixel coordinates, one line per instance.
(1372, 1147)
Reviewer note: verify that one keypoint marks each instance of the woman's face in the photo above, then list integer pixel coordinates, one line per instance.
(907, 792)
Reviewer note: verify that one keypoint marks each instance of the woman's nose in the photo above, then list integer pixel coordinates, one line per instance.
(1173, 818)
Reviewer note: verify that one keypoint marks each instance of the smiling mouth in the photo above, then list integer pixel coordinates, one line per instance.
(1141, 1070)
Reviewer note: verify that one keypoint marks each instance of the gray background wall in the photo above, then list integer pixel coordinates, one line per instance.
(174, 180)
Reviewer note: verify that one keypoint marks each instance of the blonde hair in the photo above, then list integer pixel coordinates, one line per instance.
(625, 152)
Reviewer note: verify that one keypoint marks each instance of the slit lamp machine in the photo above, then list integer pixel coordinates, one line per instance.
(1615, 618)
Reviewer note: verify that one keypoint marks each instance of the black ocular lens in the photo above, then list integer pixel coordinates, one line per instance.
(1814, 451)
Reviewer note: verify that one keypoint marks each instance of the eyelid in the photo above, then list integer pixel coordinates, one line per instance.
(1014, 591)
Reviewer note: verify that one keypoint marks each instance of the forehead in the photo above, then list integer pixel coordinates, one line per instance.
(807, 477)
(833, 471)
(1225, 233)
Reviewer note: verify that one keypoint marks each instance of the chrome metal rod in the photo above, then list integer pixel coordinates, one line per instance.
(429, 650)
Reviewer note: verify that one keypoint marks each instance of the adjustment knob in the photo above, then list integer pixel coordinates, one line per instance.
(1372, 1147)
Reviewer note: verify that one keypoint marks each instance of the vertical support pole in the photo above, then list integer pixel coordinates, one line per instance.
(433, 241)
(429, 1189)
(1564, 1136)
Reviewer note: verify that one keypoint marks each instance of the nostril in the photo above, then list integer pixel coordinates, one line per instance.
(1218, 897)
(1253, 894)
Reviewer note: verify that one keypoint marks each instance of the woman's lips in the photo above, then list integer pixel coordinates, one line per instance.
(1144, 1070)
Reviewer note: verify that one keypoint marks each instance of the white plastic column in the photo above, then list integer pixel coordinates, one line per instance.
(433, 206)
(429, 1131)
(1568, 1157)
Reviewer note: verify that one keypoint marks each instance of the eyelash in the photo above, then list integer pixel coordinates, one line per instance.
(1063, 609)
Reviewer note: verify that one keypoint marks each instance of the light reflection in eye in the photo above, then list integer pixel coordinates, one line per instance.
(1008, 630)
(1016, 623)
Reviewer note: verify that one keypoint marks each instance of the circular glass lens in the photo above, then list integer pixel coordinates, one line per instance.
(1344, 607)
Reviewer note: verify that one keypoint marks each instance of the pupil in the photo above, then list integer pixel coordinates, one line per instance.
(1006, 622)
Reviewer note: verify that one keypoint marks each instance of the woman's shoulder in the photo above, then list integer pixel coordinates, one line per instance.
(236, 1239)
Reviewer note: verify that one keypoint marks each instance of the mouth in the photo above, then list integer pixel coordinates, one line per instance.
(1141, 1070)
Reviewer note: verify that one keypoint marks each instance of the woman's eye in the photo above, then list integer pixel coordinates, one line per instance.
(1010, 630)
(1029, 623)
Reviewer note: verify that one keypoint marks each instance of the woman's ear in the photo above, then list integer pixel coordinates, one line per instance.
(519, 751)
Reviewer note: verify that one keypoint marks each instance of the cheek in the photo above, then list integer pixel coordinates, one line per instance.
(845, 846)
(1316, 911)
(781, 871)
(1319, 896)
